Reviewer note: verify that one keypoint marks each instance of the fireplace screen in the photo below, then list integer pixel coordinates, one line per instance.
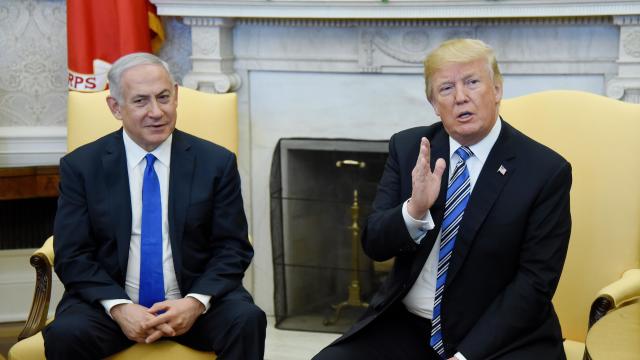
(321, 194)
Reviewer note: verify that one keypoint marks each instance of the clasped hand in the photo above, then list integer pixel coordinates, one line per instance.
(425, 183)
(164, 319)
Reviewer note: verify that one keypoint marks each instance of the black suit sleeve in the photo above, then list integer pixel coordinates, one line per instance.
(75, 247)
(386, 234)
(526, 301)
(230, 250)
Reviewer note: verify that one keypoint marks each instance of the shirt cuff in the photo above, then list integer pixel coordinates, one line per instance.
(205, 300)
(109, 304)
(459, 356)
(417, 228)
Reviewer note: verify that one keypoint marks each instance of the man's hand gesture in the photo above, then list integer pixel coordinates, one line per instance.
(179, 315)
(425, 183)
(131, 319)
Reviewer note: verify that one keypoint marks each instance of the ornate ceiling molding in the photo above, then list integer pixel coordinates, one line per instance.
(345, 23)
(627, 20)
(397, 9)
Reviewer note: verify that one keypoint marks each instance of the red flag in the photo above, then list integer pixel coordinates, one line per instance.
(101, 31)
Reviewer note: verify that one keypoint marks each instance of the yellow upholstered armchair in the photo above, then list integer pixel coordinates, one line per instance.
(599, 137)
(209, 116)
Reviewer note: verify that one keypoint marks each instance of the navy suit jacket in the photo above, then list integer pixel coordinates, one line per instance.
(509, 251)
(207, 223)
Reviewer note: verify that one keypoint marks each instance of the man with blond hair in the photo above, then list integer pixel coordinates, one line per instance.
(476, 215)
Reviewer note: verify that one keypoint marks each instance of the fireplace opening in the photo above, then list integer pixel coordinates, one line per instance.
(28, 203)
(321, 193)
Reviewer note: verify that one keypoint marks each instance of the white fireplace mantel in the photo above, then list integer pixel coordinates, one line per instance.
(328, 69)
(394, 9)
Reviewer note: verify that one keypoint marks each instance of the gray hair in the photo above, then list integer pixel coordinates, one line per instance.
(127, 62)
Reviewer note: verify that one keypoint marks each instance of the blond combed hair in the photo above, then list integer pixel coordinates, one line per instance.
(459, 51)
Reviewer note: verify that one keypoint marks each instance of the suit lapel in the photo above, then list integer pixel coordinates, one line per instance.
(114, 164)
(180, 176)
(440, 150)
(485, 192)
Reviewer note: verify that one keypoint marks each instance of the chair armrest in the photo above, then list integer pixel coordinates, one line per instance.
(41, 260)
(613, 295)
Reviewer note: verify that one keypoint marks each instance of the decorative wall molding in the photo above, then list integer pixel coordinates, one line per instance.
(396, 9)
(626, 85)
(212, 55)
(402, 49)
(633, 95)
(627, 20)
(384, 23)
(631, 42)
(411, 48)
(207, 21)
(625, 89)
(32, 145)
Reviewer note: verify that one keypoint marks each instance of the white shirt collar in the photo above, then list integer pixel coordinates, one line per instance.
(482, 148)
(135, 153)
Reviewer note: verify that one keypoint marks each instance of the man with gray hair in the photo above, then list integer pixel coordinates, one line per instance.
(150, 234)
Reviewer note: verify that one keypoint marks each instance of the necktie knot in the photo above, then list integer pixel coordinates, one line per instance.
(464, 152)
(150, 160)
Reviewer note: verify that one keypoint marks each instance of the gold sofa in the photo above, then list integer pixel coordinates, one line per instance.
(599, 136)
(209, 116)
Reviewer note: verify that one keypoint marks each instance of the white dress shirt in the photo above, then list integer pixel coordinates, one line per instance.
(136, 164)
(419, 300)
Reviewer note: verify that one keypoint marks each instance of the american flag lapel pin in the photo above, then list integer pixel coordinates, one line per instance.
(502, 170)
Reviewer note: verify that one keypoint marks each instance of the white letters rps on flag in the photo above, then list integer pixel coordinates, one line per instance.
(96, 81)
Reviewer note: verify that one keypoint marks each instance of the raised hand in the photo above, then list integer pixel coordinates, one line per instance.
(425, 183)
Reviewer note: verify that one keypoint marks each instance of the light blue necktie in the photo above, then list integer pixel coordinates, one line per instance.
(458, 195)
(151, 277)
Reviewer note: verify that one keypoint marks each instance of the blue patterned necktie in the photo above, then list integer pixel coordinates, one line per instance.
(458, 195)
(151, 278)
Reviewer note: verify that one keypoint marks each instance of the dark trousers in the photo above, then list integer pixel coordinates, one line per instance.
(234, 327)
(396, 334)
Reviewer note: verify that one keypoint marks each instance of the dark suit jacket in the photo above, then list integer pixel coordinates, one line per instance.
(509, 251)
(207, 224)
